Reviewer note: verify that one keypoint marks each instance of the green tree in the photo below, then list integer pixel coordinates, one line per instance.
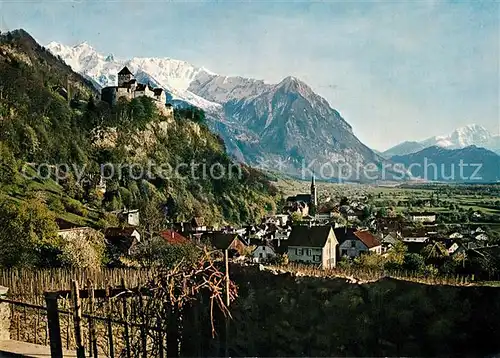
(8, 166)
(83, 250)
(157, 252)
(382, 212)
(396, 255)
(296, 217)
(24, 231)
(414, 262)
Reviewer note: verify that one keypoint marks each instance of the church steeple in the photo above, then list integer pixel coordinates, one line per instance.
(314, 197)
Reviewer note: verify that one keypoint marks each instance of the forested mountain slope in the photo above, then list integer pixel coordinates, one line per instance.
(51, 115)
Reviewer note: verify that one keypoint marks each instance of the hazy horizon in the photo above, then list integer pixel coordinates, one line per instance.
(396, 72)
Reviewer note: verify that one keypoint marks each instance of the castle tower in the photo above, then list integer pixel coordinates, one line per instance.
(314, 196)
(124, 76)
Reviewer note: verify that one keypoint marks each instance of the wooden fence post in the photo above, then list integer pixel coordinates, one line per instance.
(160, 332)
(125, 319)
(109, 324)
(54, 328)
(189, 339)
(228, 301)
(77, 319)
(92, 330)
(173, 332)
(143, 328)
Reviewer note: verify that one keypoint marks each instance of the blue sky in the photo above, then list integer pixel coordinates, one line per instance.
(395, 70)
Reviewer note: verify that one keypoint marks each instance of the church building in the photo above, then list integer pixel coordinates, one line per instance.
(303, 202)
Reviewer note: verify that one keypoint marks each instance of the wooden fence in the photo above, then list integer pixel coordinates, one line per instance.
(28, 283)
(369, 275)
(114, 322)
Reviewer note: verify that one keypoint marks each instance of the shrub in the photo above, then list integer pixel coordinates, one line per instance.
(24, 230)
(279, 259)
(75, 207)
(85, 249)
(158, 252)
(55, 204)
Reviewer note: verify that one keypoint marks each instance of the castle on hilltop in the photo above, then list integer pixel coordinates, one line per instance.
(129, 88)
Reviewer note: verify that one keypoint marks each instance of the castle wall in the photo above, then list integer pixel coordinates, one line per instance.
(164, 110)
(124, 92)
(109, 94)
(123, 79)
(147, 92)
(162, 97)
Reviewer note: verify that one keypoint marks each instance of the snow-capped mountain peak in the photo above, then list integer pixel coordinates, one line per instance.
(256, 119)
(173, 75)
(469, 135)
(472, 134)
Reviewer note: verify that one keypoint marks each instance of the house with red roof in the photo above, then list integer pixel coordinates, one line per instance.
(353, 242)
(174, 238)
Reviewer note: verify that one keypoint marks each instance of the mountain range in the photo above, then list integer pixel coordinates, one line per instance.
(470, 164)
(285, 126)
(463, 137)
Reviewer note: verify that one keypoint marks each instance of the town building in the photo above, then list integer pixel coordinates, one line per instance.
(302, 202)
(231, 242)
(353, 242)
(129, 217)
(278, 219)
(422, 217)
(314, 245)
(389, 241)
(264, 250)
(172, 237)
(121, 241)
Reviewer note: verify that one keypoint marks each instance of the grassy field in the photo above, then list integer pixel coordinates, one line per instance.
(481, 199)
(51, 192)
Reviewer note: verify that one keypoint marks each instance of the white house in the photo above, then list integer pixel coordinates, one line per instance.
(479, 230)
(422, 217)
(481, 237)
(353, 243)
(476, 215)
(454, 247)
(278, 219)
(456, 235)
(131, 217)
(313, 244)
(263, 251)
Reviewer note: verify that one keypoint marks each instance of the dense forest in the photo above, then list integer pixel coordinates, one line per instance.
(56, 137)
